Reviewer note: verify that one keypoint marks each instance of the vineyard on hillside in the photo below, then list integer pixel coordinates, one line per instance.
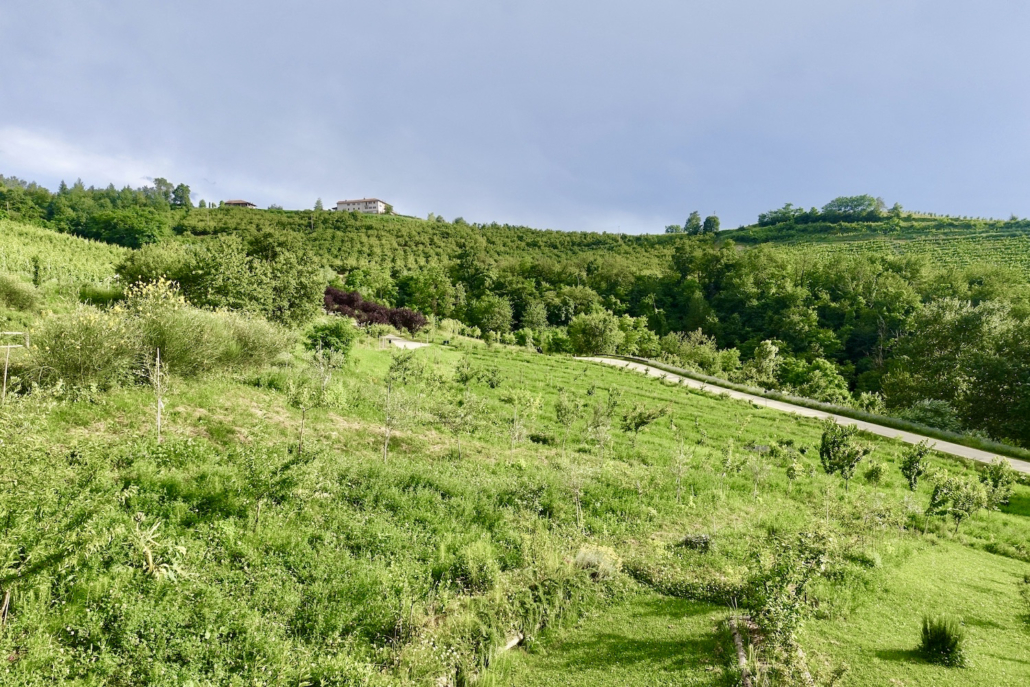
(59, 257)
(947, 243)
(349, 240)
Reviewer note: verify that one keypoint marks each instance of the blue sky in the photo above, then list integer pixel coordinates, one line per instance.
(607, 116)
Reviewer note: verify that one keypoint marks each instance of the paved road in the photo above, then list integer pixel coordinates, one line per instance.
(889, 432)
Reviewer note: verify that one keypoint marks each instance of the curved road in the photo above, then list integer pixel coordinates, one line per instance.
(889, 432)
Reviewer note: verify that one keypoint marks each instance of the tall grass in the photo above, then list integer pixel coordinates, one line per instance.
(17, 294)
(93, 347)
(943, 642)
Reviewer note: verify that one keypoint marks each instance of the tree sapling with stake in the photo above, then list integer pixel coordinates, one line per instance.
(839, 452)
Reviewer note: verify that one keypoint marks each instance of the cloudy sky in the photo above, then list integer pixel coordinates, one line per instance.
(616, 116)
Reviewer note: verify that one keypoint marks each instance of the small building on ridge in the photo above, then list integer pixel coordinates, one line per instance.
(372, 206)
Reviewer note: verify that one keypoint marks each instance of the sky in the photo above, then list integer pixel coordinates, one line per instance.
(603, 116)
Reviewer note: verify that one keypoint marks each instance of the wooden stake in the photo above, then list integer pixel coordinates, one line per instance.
(7, 361)
(159, 402)
(4, 608)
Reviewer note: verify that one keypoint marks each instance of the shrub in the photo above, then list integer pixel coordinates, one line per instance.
(353, 305)
(933, 413)
(595, 334)
(557, 341)
(524, 337)
(193, 340)
(273, 276)
(407, 319)
(943, 642)
(16, 294)
(86, 347)
(338, 335)
(473, 566)
(701, 543)
(600, 561)
(254, 341)
(874, 473)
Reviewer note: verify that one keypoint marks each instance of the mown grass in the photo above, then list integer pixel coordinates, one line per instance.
(881, 644)
(648, 640)
(337, 567)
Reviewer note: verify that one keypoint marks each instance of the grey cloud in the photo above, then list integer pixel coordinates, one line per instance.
(573, 115)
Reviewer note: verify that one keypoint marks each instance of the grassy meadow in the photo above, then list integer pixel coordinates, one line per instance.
(229, 555)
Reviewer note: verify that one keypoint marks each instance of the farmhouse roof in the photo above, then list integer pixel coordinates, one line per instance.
(362, 200)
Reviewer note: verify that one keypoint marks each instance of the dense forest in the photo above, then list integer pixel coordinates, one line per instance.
(946, 346)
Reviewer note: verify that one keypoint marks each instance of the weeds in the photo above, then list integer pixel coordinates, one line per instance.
(943, 642)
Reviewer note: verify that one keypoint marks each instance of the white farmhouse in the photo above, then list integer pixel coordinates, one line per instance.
(372, 206)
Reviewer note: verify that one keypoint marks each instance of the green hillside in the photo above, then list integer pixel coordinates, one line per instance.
(942, 242)
(833, 304)
(226, 554)
(45, 255)
(282, 501)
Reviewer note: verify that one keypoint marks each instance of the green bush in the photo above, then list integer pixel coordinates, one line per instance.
(595, 334)
(254, 341)
(276, 277)
(943, 642)
(472, 566)
(337, 335)
(933, 413)
(16, 294)
(86, 347)
(193, 340)
(600, 562)
(874, 473)
(98, 348)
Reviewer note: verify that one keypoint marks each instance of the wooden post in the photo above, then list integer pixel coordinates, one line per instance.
(4, 608)
(741, 658)
(7, 361)
(7, 358)
(159, 402)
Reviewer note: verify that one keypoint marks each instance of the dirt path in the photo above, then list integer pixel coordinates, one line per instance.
(401, 342)
(889, 432)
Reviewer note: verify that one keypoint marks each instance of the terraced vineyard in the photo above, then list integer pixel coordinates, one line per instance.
(60, 257)
(1002, 249)
(945, 243)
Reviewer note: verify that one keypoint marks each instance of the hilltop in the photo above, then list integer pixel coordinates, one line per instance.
(949, 242)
